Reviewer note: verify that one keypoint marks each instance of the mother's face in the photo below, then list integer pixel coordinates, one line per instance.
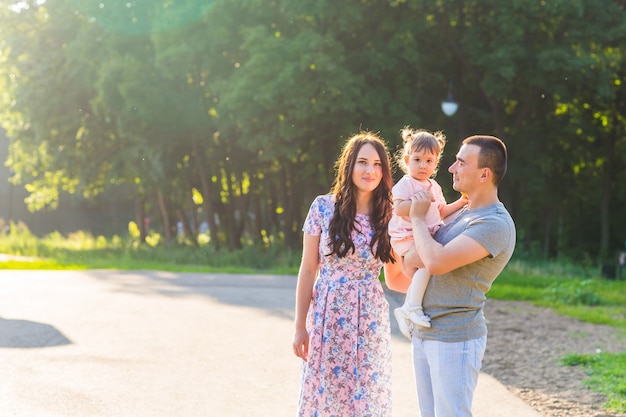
(368, 170)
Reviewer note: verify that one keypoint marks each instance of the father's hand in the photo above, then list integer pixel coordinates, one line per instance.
(420, 203)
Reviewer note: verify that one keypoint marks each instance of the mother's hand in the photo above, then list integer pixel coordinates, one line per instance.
(301, 344)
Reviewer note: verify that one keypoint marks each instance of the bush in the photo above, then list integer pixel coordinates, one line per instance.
(574, 292)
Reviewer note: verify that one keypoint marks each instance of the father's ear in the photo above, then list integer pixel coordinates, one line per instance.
(486, 175)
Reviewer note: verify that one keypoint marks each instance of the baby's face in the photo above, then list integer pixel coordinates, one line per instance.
(421, 164)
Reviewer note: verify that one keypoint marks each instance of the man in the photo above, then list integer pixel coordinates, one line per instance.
(464, 258)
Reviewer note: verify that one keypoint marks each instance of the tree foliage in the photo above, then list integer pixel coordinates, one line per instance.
(233, 112)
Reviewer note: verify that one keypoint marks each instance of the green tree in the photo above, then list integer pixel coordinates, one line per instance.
(514, 63)
(233, 112)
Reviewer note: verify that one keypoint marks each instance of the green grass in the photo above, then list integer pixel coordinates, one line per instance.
(36, 264)
(579, 293)
(567, 288)
(177, 258)
(606, 375)
(81, 250)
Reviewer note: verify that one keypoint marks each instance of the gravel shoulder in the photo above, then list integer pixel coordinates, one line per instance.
(524, 347)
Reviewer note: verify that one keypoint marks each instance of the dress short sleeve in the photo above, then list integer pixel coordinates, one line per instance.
(313, 222)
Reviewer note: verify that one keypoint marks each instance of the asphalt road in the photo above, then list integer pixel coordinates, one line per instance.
(161, 344)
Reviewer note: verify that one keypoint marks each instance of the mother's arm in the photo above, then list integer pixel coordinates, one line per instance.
(395, 277)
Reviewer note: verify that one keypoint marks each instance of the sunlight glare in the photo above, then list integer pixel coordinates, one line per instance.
(22, 5)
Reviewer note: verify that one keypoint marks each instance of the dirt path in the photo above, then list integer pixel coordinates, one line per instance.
(524, 348)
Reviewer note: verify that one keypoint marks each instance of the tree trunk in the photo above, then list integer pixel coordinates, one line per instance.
(290, 199)
(186, 226)
(140, 218)
(605, 200)
(165, 217)
(231, 217)
(547, 232)
(256, 227)
(195, 221)
(560, 244)
(207, 204)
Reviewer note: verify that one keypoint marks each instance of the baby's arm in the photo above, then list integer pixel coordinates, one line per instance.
(450, 208)
(402, 207)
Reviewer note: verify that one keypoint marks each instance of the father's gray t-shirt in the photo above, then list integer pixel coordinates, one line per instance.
(455, 300)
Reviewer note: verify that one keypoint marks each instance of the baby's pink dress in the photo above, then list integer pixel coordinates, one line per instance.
(349, 369)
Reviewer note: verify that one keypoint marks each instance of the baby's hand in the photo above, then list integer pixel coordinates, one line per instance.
(420, 202)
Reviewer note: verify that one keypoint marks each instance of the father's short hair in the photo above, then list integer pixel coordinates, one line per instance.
(492, 155)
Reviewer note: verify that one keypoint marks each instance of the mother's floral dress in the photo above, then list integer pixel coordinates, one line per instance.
(349, 369)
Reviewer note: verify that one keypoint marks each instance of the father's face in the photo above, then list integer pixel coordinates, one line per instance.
(465, 171)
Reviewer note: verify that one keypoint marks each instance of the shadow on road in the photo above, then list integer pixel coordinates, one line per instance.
(29, 334)
(273, 293)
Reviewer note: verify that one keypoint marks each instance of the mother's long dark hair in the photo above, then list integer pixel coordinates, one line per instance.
(344, 190)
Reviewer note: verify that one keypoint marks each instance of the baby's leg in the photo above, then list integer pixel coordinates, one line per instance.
(417, 289)
(415, 293)
(409, 267)
(411, 261)
(409, 312)
(410, 264)
(415, 297)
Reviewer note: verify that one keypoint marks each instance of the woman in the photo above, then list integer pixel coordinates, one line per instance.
(342, 317)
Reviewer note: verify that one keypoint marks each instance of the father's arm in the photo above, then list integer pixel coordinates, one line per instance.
(437, 258)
